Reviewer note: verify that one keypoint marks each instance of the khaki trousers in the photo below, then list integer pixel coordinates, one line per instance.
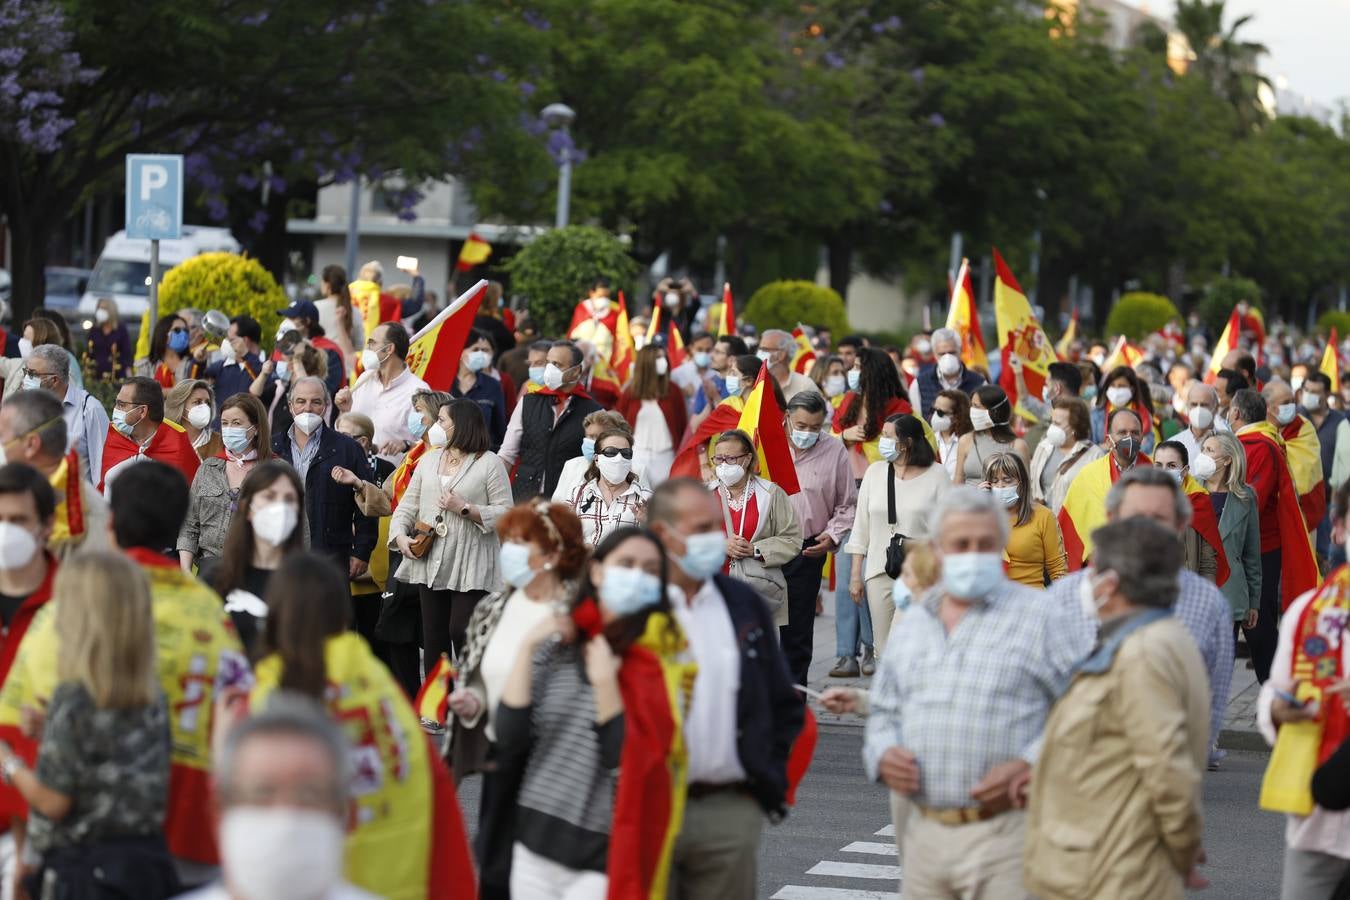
(977, 861)
(716, 852)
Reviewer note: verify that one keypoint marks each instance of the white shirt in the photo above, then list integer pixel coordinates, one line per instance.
(710, 726)
(947, 452)
(341, 891)
(574, 473)
(86, 430)
(388, 406)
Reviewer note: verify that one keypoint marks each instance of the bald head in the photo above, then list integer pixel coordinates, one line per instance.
(1280, 408)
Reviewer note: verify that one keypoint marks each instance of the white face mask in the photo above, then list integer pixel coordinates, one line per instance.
(600, 306)
(672, 299)
(308, 422)
(227, 352)
(730, 473)
(436, 436)
(733, 384)
(31, 382)
(613, 469)
(1201, 417)
(1088, 602)
(1204, 467)
(980, 419)
(805, 440)
(25, 348)
(1119, 396)
(275, 522)
(1006, 496)
(941, 423)
(370, 360)
(200, 415)
(1056, 436)
(835, 385)
(948, 365)
(281, 853)
(1285, 412)
(101, 315)
(970, 576)
(662, 365)
(17, 546)
(553, 377)
(1311, 401)
(888, 449)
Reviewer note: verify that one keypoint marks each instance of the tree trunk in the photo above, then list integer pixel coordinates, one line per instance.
(29, 243)
(840, 251)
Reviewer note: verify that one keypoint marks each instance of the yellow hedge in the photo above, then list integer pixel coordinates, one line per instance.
(236, 285)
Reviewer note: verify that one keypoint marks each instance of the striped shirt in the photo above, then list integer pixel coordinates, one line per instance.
(965, 701)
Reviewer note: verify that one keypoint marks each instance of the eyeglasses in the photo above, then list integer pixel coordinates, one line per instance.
(728, 460)
(611, 452)
(29, 373)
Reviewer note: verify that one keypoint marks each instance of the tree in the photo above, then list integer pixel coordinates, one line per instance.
(251, 92)
(553, 272)
(1224, 60)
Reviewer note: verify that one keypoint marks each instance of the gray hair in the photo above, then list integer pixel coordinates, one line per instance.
(57, 356)
(1193, 384)
(1250, 405)
(287, 714)
(1148, 476)
(327, 398)
(376, 271)
(42, 413)
(809, 402)
(784, 336)
(967, 499)
(541, 346)
(945, 334)
(1145, 556)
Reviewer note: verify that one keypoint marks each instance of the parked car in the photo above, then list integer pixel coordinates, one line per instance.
(65, 287)
(123, 268)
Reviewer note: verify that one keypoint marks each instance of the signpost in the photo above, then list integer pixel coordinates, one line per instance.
(154, 208)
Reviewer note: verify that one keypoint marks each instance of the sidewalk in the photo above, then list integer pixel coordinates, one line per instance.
(1239, 725)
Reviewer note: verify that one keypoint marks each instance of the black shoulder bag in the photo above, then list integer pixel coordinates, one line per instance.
(895, 550)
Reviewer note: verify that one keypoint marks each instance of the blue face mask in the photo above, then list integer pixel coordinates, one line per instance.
(901, 595)
(515, 560)
(178, 341)
(733, 385)
(888, 449)
(628, 591)
(537, 374)
(588, 448)
(235, 438)
(972, 576)
(704, 555)
(478, 360)
(702, 359)
(416, 424)
(854, 377)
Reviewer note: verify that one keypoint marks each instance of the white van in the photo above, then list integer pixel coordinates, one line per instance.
(123, 268)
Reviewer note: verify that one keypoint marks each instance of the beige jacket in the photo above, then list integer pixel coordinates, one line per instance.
(1115, 798)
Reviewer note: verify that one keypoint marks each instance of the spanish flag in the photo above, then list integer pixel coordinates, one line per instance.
(407, 840)
(1070, 334)
(1122, 354)
(726, 416)
(1331, 363)
(763, 421)
(661, 325)
(1229, 340)
(1084, 509)
(624, 352)
(169, 445)
(143, 338)
(434, 352)
(805, 356)
(1304, 452)
(402, 477)
(1298, 563)
(474, 252)
(433, 699)
(722, 316)
(964, 319)
(68, 527)
(366, 299)
(1019, 332)
(1206, 524)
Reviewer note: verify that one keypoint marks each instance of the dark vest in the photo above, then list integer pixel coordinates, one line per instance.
(545, 447)
(930, 386)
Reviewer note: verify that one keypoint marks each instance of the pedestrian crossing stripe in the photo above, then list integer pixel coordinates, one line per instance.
(839, 869)
(871, 847)
(855, 870)
(801, 892)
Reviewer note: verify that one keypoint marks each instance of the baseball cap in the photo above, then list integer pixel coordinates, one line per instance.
(301, 309)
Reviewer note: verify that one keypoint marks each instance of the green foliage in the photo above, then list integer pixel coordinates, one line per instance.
(1138, 314)
(785, 304)
(554, 271)
(1334, 319)
(1222, 294)
(236, 285)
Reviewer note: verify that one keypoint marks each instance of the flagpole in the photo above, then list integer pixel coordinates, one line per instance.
(459, 303)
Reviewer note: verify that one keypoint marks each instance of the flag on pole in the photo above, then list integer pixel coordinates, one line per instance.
(763, 421)
(143, 338)
(723, 316)
(1239, 321)
(474, 252)
(433, 699)
(1122, 354)
(434, 352)
(624, 351)
(1019, 332)
(805, 356)
(366, 299)
(1331, 363)
(964, 319)
(662, 325)
(1069, 336)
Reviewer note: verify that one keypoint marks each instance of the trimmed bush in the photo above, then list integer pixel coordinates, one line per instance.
(1222, 294)
(555, 270)
(785, 304)
(236, 285)
(1138, 314)
(1333, 318)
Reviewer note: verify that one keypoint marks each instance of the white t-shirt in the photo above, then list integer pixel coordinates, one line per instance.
(343, 891)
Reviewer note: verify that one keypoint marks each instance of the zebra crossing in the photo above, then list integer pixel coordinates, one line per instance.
(868, 872)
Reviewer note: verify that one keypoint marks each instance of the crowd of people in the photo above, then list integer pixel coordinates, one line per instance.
(244, 580)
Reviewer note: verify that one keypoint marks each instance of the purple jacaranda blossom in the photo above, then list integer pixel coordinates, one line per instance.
(258, 221)
(834, 60)
(937, 120)
(527, 88)
(918, 75)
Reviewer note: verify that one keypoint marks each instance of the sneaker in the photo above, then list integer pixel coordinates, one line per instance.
(431, 726)
(869, 662)
(845, 667)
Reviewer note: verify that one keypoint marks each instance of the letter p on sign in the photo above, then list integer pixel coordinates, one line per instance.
(154, 194)
(153, 177)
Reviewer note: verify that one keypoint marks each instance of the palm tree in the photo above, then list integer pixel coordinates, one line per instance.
(1226, 61)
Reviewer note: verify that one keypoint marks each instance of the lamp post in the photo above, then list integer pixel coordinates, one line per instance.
(560, 116)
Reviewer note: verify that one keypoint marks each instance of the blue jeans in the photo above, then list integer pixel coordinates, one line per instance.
(852, 621)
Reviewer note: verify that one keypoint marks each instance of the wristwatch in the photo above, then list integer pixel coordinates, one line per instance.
(464, 511)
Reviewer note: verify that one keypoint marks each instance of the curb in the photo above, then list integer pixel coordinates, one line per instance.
(1243, 739)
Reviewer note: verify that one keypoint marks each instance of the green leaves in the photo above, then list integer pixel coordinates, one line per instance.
(554, 271)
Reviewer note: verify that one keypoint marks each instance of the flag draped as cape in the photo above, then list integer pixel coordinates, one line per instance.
(1298, 564)
(1084, 509)
(170, 445)
(1305, 466)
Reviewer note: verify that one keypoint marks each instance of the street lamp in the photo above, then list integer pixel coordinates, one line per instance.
(560, 116)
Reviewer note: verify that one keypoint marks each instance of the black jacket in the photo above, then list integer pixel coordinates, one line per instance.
(769, 713)
(545, 445)
(336, 527)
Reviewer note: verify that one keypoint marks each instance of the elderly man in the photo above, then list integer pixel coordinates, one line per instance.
(1202, 408)
(776, 350)
(47, 367)
(548, 426)
(286, 767)
(1125, 746)
(1084, 510)
(825, 509)
(1333, 437)
(1152, 494)
(385, 390)
(959, 704)
(139, 431)
(947, 374)
(1302, 448)
(32, 431)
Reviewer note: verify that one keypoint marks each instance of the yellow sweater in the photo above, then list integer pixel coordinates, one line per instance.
(1036, 548)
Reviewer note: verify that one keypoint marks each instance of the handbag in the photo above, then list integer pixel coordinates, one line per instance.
(423, 534)
(1287, 784)
(895, 550)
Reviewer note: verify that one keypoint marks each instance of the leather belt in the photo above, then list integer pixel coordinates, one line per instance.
(961, 815)
(705, 789)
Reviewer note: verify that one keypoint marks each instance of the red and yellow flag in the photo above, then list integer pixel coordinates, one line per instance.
(1298, 564)
(722, 317)
(366, 299)
(408, 839)
(1122, 354)
(662, 325)
(805, 355)
(1084, 509)
(624, 351)
(1019, 332)
(725, 416)
(1070, 334)
(433, 699)
(1229, 339)
(763, 421)
(434, 352)
(964, 319)
(1304, 452)
(474, 252)
(1206, 524)
(1331, 363)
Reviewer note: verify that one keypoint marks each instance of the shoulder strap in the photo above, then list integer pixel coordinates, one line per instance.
(890, 494)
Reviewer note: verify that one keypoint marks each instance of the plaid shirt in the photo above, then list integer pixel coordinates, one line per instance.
(966, 701)
(599, 519)
(1200, 607)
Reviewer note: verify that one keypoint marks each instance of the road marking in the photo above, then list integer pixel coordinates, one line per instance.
(855, 870)
(802, 892)
(870, 847)
(888, 831)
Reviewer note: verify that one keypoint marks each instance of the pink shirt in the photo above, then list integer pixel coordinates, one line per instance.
(388, 406)
(829, 497)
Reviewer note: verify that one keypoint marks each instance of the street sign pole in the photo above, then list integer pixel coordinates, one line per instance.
(154, 282)
(154, 210)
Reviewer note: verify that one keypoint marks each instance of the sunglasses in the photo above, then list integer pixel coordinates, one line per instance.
(612, 452)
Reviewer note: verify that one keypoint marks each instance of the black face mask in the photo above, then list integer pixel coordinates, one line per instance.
(1127, 447)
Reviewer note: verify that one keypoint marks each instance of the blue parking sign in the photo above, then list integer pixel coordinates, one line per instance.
(154, 196)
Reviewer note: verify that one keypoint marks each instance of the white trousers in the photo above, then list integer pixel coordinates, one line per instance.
(535, 878)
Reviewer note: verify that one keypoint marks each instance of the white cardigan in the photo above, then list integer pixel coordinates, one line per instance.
(915, 500)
